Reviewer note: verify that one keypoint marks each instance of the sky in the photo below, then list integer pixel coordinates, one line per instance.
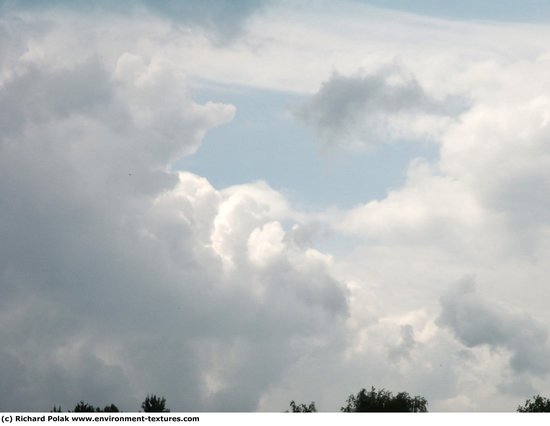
(239, 204)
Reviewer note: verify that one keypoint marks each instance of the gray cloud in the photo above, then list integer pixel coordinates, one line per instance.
(407, 343)
(477, 322)
(364, 110)
(221, 19)
(119, 277)
(38, 96)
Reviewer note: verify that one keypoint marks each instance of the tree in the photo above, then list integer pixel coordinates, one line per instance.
(383, 401)
(302, 408)
(154, 404)
(111, 409)
(83, 407)
(539, 404)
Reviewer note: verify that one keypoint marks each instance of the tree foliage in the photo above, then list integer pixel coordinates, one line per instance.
(154, 404)
(83, 407)
(383, 401)
(365, 401)
(111, 409)
(302, 408)
(539, 404)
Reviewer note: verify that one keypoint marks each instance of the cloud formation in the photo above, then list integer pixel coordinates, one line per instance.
(219, 19)
(120, 277)
(384, 106)
(479, 322)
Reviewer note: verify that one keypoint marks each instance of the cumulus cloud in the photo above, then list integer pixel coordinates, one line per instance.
(477, 322)
(510, 141)
(120, 277)
(365, 110)
(487, 189)
(430, 206)
(478, 206)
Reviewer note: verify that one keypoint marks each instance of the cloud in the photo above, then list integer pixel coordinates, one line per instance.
(478, 206)
(429, 206)
(405, 345)
(120, 277)
(487, 188)
(531, 11)
(509, 140)
(477, 322)
(384, 106)
(218, 18)
(224, 20)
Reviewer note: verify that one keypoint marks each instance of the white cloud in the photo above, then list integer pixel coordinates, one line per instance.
(487, 191)
(431, 206)
(114, 269)
(121, 277)
(478, 207)
(265, 244)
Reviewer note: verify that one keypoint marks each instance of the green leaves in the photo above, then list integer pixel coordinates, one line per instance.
(539, 404)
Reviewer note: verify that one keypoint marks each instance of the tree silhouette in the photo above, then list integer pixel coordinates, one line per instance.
(154, 404)
(302, 408)
(383, 401)
(111, 409)
(83, 407)
(539, 404)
